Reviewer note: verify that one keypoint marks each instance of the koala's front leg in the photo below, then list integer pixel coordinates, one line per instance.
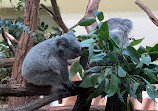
(68, 84)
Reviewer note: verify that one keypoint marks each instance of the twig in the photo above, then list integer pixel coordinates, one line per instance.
(148, 12)
(58, 17)
(47, 9)
(76, 24)
(10, 37)
(7, 62)
(8, 42)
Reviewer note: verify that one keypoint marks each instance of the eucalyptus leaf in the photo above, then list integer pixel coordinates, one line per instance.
(91, 51)
(94, 78)
(107, 70)
(75, 67)
(99, 90)
(87, 43)
(113, 57)
(146, 59)
(120, 96)
(133, 54)
(107, 85)
(135, 42)
(97, 61)
(150, 90)
(101, 55)
(86, 83)
(42, 24)
(150, 74)
(83, 62)
(135, 87)
(116, 41)
(148, 48)
(104, 29)
(121, 72)
(100, 16)
(113, 85)
(141, 50)
(153, 56)
(87, 21)
(46, 26)
(94, 69)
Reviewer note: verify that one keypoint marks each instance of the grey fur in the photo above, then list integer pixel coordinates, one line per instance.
(121, 28)
(46, 63)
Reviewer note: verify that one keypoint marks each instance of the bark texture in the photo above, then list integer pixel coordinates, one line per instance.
(91, 7)
(7, 62)
(148, 12)
(26, 42)
(115, 104)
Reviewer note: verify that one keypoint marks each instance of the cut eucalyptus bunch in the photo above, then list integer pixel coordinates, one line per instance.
(112, 69)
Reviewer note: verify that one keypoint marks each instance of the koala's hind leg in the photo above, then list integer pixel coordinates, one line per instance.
(45, 78)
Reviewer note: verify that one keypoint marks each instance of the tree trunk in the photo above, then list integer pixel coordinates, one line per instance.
(26, 42)
(82, 102)
(115, 104)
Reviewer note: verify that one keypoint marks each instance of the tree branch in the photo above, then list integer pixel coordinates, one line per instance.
(56, 15)
(148, 12)
(20, 90)
(76, 24)
(10, 37)
(8, 42)
(38, 103)
(91, 7)
(31, 90)
(7, 62)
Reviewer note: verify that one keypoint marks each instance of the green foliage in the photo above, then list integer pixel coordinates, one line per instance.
(75, 67)
(136, 42)
(115, 69)
(19, 6)
(87, 21)
(99, 15)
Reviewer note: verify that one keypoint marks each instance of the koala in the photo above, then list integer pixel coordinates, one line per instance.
(46, 63)
(119, 27)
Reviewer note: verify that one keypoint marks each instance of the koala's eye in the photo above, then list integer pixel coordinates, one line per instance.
(76, 50)
(65, 45)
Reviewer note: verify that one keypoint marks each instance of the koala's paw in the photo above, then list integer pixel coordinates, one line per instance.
(69, 86)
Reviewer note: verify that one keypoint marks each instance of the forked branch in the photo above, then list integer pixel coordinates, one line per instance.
(148, 12)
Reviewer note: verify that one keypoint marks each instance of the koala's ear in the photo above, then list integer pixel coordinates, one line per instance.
(127, 24)
(62, 42)
(70, 33)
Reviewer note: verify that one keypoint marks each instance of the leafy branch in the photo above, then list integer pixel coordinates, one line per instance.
(115, 69)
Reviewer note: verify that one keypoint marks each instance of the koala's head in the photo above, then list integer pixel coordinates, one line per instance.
(124, 24)
(68, 47)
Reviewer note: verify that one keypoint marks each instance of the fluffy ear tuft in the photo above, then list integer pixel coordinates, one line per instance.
(70, 33)
(127, 24)
(61, 42)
